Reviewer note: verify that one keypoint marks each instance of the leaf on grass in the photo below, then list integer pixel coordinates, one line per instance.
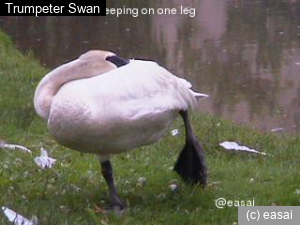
(44, 161)
(98, 209)
(228, 145)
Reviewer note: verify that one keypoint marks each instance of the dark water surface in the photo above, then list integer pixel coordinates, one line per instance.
(244, 53)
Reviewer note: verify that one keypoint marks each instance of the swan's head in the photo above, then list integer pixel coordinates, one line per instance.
(104, 58)
(91, 63)
(100, 55)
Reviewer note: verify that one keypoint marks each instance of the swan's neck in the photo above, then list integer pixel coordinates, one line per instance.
(51, 83)
(44, 93)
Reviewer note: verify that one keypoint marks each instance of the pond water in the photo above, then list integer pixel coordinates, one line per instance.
(245, 54)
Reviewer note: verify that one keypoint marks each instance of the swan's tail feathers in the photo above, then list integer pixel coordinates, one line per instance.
(190, 164)
(199, 96)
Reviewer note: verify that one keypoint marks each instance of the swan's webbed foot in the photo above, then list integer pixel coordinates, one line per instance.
(115, 201)
(116, 205)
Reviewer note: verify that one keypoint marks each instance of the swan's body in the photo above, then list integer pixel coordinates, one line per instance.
(122, 109)
(111, 110)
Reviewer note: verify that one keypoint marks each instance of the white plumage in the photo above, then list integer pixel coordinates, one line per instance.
(119, 110)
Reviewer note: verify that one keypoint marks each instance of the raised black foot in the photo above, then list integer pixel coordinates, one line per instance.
(190, 164)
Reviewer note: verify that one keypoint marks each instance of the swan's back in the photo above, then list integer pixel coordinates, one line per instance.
(134, 82)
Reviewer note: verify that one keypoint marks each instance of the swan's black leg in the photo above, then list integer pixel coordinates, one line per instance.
(190, 164)
(107, 173)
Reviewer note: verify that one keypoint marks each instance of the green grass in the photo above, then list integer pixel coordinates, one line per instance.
(68, 193)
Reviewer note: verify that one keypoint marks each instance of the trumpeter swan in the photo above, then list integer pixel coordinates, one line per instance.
(103, 104)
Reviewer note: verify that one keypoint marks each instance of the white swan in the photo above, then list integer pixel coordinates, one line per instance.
(102, 104)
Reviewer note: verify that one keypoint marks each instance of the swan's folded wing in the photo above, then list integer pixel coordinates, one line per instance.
(146, 83)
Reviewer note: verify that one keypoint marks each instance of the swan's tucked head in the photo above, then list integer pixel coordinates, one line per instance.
(93, 63)
(98, 55)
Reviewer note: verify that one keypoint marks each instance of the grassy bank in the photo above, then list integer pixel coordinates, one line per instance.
(68, 193)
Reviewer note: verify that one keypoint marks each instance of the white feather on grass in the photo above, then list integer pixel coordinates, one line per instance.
(16, 218)
(14, 147)
(173, 187)
(44, 161)
(277, 129)
(175, 132)
(228, 145)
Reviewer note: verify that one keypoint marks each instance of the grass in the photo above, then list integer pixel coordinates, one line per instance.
(68, 193)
